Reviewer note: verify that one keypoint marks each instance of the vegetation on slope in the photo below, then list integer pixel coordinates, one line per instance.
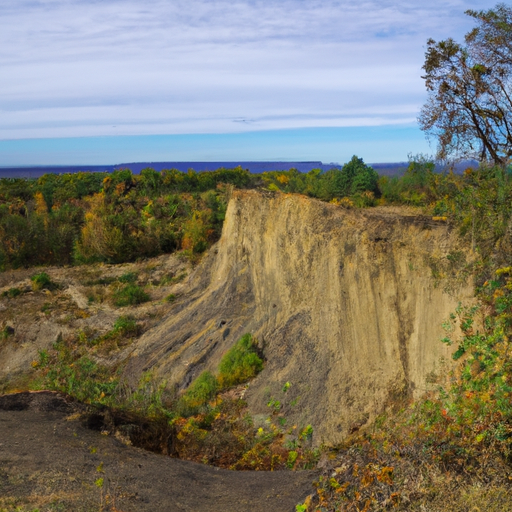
(207, 423)
(450, 450)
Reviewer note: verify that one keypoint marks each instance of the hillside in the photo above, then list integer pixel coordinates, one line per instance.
(343, 303)
(346, 308)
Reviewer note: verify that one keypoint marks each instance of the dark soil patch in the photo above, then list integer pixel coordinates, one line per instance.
(51, 461)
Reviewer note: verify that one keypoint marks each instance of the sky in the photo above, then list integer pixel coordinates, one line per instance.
(110, 81)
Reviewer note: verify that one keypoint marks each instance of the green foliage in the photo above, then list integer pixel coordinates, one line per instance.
(415, 187)
(240, 363)
(42, 281)
(6, 332)
(354, 178)
(117, 217)
(129, 278)
(198, 394)
(69, 369)
(469, 104)
(126, 326)
(130, 295)
(203, 425)
(11, 293)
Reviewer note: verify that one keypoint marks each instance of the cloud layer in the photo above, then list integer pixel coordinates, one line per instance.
(125, 67)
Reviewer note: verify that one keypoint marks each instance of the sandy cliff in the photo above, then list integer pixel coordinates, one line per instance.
(343, 302)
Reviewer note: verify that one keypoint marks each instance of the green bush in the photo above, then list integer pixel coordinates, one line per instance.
(126, 326)
(240, 363)
(198, 394)
(12, 293)
(128, 278)
(42, 281)
(130, 295)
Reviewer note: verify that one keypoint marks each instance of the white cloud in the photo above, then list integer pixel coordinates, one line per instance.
(75, 67)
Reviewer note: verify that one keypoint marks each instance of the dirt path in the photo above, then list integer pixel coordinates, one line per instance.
(50, 461)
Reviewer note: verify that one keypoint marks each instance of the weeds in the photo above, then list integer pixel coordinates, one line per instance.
(128, 278)
(42, 281)
(6, 332)
(130, 295)
(240, 363)
(200, 425)
(198, 394)
(12, 293)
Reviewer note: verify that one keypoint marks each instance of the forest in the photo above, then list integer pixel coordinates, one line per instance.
(64, 219)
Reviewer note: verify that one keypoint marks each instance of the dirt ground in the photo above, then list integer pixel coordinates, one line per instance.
(49, 461)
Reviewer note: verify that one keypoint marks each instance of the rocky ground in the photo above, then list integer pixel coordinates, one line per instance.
(50, 461)
(80, 300)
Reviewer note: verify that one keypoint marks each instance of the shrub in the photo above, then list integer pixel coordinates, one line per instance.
(12, 293)
(128, 278)
(130, 295)
(240, 363)
(126, 326)
(42, 281)
(199, 393)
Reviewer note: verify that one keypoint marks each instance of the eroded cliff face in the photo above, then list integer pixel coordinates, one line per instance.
(343, 303)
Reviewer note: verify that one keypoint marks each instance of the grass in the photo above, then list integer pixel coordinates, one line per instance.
(6, 332)
(168, 280)
(12, 293)
(129, 278)
(240, 363)
(203, 426)
(130, 295)
(199, 393)
(42, 281)
(126, 326)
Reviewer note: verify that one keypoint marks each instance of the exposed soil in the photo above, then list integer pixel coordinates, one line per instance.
(49, 460)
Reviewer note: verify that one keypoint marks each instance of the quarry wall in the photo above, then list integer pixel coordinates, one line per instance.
(347, 306)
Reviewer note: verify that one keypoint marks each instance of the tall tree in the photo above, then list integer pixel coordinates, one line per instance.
(469, 107)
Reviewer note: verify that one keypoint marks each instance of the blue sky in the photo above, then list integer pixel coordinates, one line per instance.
(108, 81)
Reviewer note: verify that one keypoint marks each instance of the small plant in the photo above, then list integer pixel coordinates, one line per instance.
(199, 393)
(130, 295)
(6, 332)
(292, 457)
(11, 293)
(42, 281)
(126, 326)
(44, 357)
(46, 307)
(274, 405)
(129, 278)
(170, 298)
(240, 363)
(306, 433)
(171, 279)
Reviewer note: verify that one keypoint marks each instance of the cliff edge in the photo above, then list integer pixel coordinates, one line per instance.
(347, 306)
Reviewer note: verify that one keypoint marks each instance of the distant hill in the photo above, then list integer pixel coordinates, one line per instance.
(384, 169)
